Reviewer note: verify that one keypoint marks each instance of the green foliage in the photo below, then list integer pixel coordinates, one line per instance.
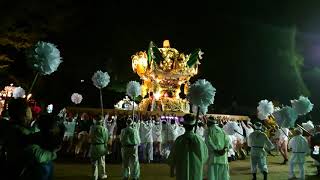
(264, 65)
(193, 57)
(312, 79)
(154, 50)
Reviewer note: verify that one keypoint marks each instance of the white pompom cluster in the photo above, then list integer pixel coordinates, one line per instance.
(76, 98)
(302, 106)
(133, 89)
(44, 58)
(18, 92)
(265, 109)
(100, 79)
(286, 117)
(201, 93)
(231, 128)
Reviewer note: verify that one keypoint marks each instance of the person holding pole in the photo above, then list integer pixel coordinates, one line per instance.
(189, 153)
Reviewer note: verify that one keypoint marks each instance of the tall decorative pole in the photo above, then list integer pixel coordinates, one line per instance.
(44, 58)
(100, 80)
(133, 91)
(201, 94)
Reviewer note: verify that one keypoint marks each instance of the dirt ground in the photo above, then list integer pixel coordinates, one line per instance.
(69, 170)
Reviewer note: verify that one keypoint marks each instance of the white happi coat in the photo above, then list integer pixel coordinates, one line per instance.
(300, 148)
(156, 132)
(146, 132)
(172, 131)
(110, 126)
(258, 141)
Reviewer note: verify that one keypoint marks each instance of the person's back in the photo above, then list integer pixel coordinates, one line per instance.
(258, 141)
(299, 144)
(129, 136)
(130, 140)
(189, 153)
(300, 149)
(99, 139)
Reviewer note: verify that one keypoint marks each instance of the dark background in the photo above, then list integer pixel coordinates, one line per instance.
(254, 50)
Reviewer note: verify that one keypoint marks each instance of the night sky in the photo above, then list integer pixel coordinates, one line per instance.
(239, 38)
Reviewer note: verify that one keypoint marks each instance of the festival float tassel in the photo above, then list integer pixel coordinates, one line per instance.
(201, 94)
(100, 80)
(133, 91)
(44, 58)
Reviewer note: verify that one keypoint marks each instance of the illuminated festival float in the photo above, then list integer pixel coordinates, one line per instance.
(165, 73)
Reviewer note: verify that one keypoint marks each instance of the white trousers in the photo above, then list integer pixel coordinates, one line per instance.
(147, 149)
(301, 169)
(259, 162)
(130, 162)
(98, 168)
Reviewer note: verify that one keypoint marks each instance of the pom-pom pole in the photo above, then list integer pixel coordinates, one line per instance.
(100, 80)
(101, 102)
(33, 83)
(304, 129)
(133, 110)
(197, 118)
(133, 90)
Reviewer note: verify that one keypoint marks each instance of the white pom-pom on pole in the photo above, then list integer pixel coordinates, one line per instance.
(201, 94)
(302, 106)
(231, 128)
(45, 58)
(265, 109)
(133, 91)
(18, 92)
(100, 80)
(286, 117)
(76, 98)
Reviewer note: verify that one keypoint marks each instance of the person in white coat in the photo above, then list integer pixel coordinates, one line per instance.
(70, 124)
(259, 143)
(157, 139)
(146, 140)
(172, 128)
(130, 140)
(300, 149)
(218, 144)
(248, 130)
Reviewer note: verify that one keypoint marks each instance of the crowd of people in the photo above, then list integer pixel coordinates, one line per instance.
(193, 149)
(157, 135)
